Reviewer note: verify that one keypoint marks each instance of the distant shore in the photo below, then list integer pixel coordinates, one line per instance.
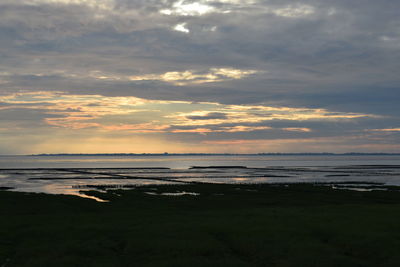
(219, 154)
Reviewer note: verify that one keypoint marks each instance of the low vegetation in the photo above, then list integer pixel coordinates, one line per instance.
(225, 225)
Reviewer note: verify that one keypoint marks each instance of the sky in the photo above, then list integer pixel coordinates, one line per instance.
(206, 76)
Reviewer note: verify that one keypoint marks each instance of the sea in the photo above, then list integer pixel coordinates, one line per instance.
(77, 174)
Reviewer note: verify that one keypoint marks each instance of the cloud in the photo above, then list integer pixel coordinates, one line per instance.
(208, 116)
(181, 78)
(204, 7)
(100, 4)
(306, 69)
(154, 116)
(184, 8)
(181, 28)
(223, 129)
(254, 114)
(386, 130)
(297, 129)
(294, 11)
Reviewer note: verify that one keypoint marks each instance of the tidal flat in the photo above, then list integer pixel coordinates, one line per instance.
(217, 225)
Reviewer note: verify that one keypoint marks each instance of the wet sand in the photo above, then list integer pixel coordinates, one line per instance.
(75, 181)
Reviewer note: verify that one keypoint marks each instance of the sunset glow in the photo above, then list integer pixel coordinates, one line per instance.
(89, 76)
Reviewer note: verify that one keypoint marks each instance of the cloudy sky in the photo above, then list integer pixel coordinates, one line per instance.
(92, 76)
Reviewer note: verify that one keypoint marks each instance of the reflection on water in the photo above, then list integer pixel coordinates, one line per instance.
(64, 179)
(173, 194)
(89, 197)
(240, 179)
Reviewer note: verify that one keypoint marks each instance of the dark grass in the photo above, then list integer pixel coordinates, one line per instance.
(248, 225)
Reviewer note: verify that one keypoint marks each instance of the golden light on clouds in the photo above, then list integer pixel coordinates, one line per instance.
(179, 78)
(194, 77)
(386, 130)
(256, 114)
(138, 115)
(95, 123)
(297, 129)
(224, 129)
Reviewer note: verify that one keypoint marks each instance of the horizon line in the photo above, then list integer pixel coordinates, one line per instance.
(207, 154)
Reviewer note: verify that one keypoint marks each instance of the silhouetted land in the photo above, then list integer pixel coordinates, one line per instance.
(222, 154)
(226, 225)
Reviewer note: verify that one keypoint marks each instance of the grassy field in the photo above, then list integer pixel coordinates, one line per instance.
(226, 225)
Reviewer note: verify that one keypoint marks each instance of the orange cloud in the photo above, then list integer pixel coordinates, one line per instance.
(297, 129)
(96, 111)
(386, 130)
(139, 128)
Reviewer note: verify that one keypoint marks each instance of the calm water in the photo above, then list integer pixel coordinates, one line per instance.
(76, 174)
(183, 162)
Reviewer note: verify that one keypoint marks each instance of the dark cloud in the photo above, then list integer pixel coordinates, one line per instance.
(209, 116)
